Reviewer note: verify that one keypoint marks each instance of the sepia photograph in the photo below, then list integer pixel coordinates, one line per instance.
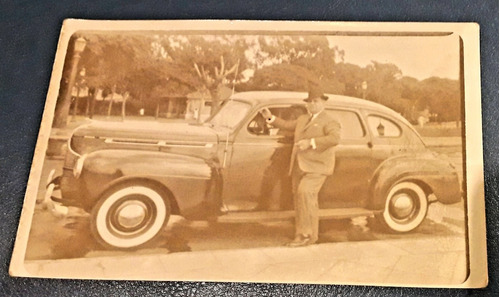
(259, 151)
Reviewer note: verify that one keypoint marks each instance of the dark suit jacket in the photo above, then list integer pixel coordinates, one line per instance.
(326, 133)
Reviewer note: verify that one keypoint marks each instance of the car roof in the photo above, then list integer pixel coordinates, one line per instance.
(262, 97)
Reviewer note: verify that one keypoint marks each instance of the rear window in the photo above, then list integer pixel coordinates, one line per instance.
(350, 123)
(382, 127)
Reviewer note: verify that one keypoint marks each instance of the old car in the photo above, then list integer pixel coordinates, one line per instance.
(131, 176)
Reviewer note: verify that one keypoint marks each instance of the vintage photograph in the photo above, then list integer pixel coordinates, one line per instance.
(282, 152)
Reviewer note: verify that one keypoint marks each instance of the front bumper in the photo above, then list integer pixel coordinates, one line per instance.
(51, 202)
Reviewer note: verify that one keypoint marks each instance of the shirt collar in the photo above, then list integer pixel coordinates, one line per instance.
(315, 115)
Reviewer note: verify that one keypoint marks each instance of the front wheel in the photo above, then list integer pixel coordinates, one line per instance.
(405, 207)
(130, 215)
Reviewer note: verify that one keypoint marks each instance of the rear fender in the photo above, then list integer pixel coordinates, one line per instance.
(432, 174)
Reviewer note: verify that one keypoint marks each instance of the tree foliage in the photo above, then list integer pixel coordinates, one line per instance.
(292, 62)
(153, 65)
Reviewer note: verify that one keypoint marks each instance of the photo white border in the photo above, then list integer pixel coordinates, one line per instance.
(469, 33)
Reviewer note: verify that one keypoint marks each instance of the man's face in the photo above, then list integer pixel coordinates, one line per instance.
(315, 105)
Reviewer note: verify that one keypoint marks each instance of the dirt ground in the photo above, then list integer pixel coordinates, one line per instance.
(70, 237)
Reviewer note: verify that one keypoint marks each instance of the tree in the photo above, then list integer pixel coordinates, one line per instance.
(292, 62)
(284, 76)
(442, 96)
(63, 102)
(152, 66)
(113, 60)
(207, 62)
(108, 59)
(213, 82)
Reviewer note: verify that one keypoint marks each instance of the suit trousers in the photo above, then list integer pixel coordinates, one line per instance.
(306, 187)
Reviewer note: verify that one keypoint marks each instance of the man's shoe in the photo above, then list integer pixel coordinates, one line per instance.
(300, 240)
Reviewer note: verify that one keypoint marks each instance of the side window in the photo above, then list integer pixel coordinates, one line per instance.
(350, 124)
(382, 127)
(259, 126)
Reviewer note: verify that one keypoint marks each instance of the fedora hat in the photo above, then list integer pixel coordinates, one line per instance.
(315, 92)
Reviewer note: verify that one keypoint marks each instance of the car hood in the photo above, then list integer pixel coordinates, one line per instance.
(175, 138)
(138, 130)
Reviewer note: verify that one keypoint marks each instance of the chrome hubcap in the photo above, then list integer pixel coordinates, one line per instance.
(402, 206)
(131, 214)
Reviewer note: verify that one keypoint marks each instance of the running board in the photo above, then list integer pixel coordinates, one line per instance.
(269, 216)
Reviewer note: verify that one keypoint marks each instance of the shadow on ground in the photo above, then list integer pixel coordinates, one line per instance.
(70, 237)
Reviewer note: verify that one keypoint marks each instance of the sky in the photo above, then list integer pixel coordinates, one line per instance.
(418, 57)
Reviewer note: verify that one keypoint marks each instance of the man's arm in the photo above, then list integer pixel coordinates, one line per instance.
(278, 122)
(331, 137)
(282, 124)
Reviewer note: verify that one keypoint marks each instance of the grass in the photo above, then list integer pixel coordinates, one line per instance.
(439, 131)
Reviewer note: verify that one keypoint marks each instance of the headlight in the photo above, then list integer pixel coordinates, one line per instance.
(77, 169)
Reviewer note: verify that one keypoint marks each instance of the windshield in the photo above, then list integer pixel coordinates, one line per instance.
(230, 114)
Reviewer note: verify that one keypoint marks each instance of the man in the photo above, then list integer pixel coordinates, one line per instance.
(313, 159)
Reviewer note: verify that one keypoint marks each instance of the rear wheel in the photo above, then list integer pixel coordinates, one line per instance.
(130, 215)
(405, 207)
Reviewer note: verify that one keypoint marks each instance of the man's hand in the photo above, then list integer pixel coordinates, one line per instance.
(266, 113)
(303, 144)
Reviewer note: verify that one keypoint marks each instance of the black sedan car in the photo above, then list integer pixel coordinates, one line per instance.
(131, 176)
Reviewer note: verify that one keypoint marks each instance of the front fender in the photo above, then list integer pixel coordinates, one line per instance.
(127, 162)
(188, 179)
(432, 174)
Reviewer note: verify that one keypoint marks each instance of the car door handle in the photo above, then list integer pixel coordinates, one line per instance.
(370, 144)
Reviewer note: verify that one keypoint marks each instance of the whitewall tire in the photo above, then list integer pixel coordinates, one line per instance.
(405, 207)
(129, 216)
